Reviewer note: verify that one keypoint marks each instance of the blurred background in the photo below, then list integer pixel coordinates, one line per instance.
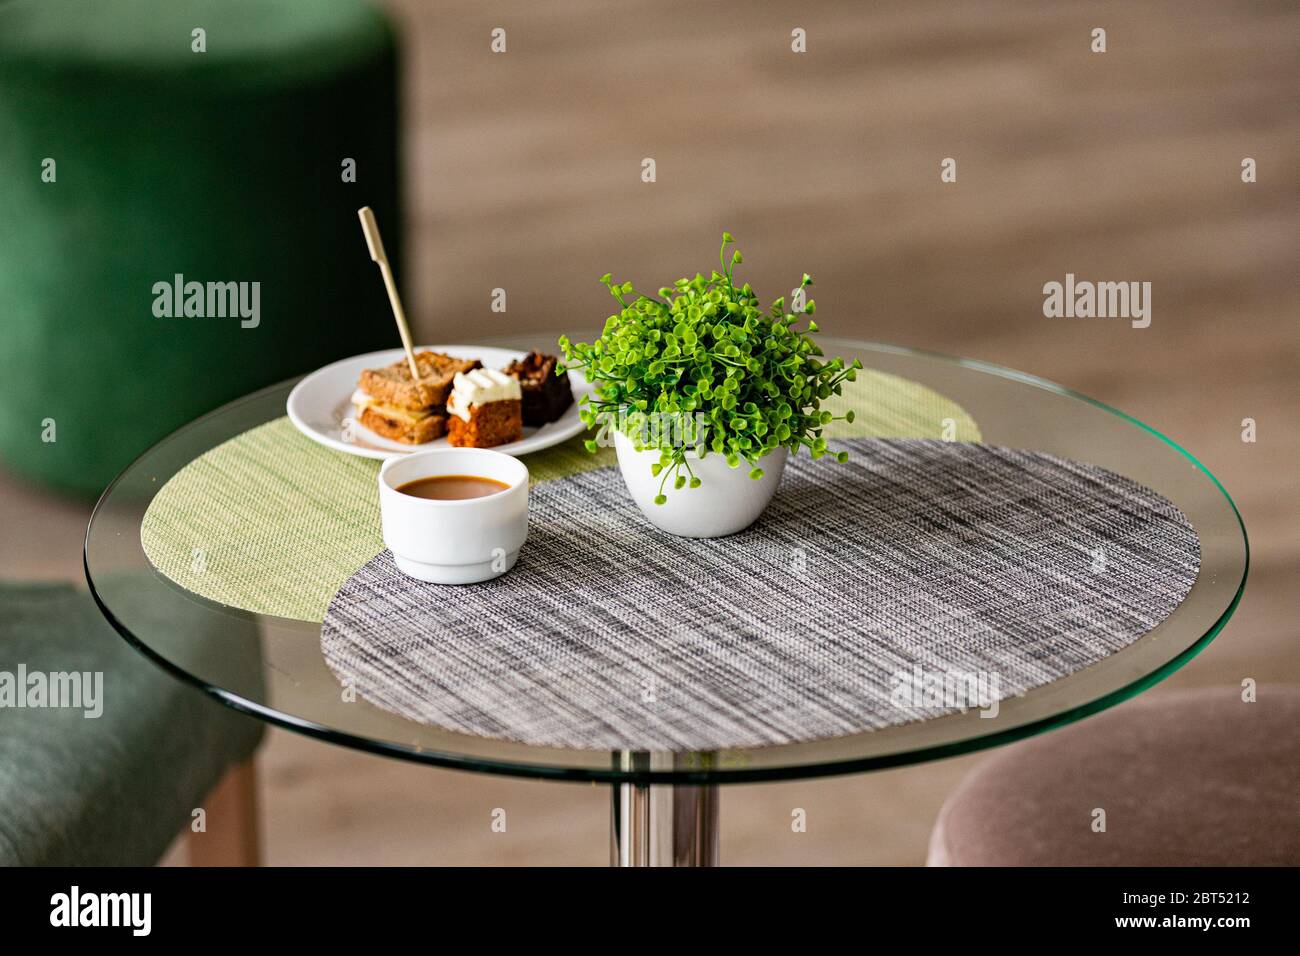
(522, 170)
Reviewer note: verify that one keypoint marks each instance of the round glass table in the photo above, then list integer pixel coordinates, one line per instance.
(665, 805)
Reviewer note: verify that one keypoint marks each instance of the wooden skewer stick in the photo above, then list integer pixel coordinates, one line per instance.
(376, 246)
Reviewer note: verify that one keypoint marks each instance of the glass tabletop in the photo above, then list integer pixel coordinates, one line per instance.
(272, 667)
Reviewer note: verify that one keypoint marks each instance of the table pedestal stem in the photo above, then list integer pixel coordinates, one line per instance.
(662, 824)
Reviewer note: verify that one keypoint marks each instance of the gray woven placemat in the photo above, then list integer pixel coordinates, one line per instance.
(919, 577)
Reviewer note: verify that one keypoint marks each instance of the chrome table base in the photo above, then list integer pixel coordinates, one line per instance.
(662, 824)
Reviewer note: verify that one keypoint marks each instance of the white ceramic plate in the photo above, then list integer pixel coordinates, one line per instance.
(319, 406)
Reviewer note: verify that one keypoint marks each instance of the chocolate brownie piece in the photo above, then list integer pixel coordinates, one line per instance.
(546, 395)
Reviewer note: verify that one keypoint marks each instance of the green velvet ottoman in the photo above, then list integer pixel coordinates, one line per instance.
(112, 789)
(129, 157)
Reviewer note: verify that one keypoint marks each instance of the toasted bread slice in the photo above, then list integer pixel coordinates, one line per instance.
(409, 431)
(392, 384)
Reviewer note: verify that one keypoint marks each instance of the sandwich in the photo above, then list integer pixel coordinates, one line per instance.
(412, 411)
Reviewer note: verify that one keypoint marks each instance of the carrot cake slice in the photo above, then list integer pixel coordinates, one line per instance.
(485, 409)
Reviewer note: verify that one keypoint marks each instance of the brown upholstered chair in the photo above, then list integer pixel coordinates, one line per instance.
(1183, 778)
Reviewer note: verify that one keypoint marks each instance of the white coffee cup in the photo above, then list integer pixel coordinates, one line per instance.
(459, 541)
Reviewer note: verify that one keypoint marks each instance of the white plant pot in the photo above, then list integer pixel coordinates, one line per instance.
(727, 501)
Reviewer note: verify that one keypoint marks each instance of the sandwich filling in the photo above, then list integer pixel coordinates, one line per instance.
(364, 400)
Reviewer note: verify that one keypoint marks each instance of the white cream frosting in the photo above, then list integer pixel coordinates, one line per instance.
(478, 387)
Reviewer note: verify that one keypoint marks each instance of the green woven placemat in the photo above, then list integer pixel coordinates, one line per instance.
(272, 522)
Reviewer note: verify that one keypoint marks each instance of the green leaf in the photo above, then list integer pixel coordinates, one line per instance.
(709, 350)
